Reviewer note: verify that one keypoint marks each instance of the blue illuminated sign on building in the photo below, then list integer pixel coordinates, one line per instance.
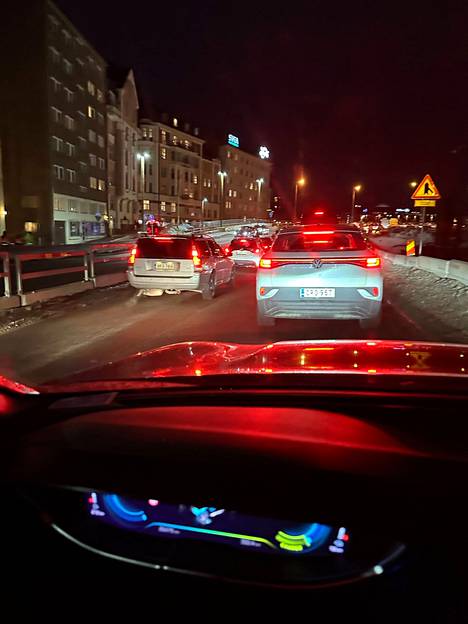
(233, 140)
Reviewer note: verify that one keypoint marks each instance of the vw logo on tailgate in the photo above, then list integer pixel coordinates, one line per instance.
(317, 263)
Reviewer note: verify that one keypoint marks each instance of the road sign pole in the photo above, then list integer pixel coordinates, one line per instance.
(423, 219)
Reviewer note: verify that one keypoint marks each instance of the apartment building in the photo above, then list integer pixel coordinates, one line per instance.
(52, 126)
(246, 184)
(123, 135)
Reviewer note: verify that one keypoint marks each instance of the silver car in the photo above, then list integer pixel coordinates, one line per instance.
(174, 264)
(320, 272)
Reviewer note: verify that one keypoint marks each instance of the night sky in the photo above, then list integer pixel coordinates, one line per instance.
(368, 92)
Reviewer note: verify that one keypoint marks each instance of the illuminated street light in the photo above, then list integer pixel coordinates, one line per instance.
(203, 202)
(299, 183)
(222, 175)
(259, 182)
(142, 156)
(356, 189)
(413, 184)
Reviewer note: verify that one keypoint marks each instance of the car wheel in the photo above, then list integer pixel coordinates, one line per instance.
(371, 323)
(209, 291)
(265, 321)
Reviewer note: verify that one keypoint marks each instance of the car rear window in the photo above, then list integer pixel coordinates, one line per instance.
(319, 241)
(165, 247)
(247, 243)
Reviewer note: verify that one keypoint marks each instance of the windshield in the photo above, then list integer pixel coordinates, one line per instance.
(185, 186)
(326, 240)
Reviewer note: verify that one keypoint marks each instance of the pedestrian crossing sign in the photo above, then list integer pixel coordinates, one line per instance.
(426, 189)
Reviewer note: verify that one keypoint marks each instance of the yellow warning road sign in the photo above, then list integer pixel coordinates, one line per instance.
(426, 189)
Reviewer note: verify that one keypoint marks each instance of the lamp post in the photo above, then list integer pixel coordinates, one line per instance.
(203, 202)
(259, 182)
(299, 183)
(142, 157)
(222, 175)
(356, 189)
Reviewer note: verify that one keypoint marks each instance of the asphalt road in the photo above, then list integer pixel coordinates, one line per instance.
(96, 327)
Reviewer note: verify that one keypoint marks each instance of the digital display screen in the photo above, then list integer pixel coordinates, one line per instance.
(158, 519)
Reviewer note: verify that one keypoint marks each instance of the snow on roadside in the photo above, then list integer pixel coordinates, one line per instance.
(439, 304)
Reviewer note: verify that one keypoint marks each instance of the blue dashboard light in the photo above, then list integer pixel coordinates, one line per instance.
(114, 505)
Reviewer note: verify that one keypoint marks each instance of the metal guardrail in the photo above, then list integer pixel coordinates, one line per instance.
(90, 257)
(5, 273)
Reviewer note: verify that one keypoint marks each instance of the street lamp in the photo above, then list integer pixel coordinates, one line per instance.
(259, 182)
(222, 175)
(142, 157)
(299, 183)
(203, 202)
(413, 184)
(356, 189)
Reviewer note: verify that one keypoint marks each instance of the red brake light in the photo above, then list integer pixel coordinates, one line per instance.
(310, 233)
(132, 256)
(265, 263)
(196, 258)
(319, 213)
(227, 251)
(372, 263)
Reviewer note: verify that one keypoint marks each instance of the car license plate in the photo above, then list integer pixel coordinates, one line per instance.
(317, 293)
(166, 266)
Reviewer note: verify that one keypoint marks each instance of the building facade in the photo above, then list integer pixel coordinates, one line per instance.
(53, 126)
(172, 173)
(246, 185)
(123, 135)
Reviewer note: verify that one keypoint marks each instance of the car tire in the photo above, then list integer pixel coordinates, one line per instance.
(371, 323)
(209, 290)
(265, 321)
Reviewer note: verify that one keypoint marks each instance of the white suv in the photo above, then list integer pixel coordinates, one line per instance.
(320, 272)
(173, 264)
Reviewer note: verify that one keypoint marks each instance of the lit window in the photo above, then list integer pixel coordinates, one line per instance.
(91, 112)
(229, 153)
(163, 206)
(175, 122)
(92, 160)
(150, 134)
(101, 185)
(234, 193)
(145, 133)
(173, 207)
(146, 205)
(174, 140)
(163, 136)
(69, 122)
(230, 193)
(195, 179)
(92, 182)
(187, 143)
(72, 205)
(91, 87)
(163, 153)
(209, 183)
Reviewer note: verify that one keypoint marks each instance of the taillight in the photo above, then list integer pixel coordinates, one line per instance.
(265, 263)
(227, 251)
(132, 256)
(196, 259)
(372, 263)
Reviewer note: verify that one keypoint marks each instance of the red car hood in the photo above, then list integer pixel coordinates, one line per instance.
(357, 357)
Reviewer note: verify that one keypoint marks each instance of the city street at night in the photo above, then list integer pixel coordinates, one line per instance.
(64, 337)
